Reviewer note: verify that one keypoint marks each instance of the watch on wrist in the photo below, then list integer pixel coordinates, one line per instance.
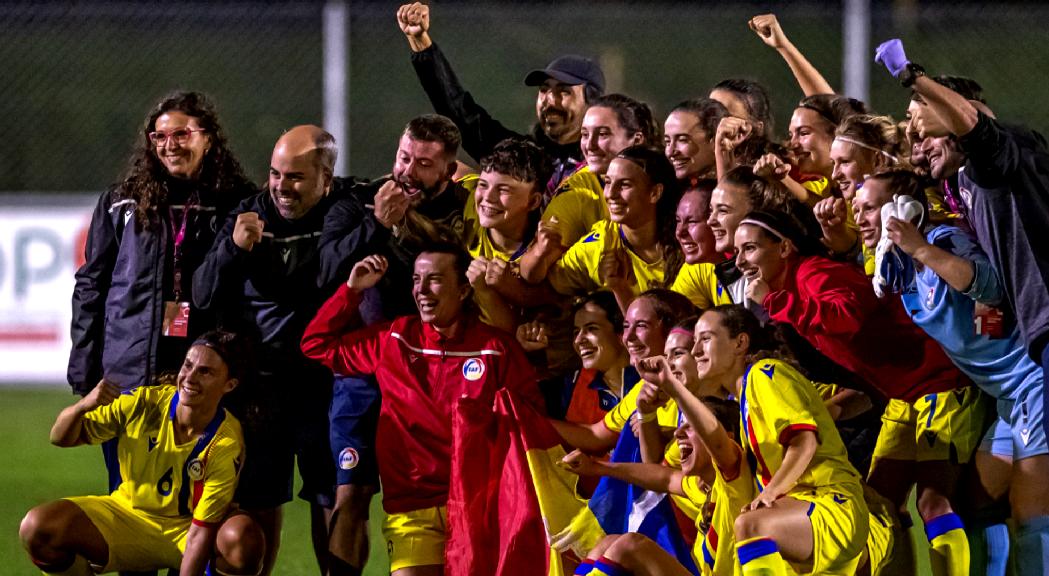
(910, 73)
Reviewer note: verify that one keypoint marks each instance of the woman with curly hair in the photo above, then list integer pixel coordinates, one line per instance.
(132, 317)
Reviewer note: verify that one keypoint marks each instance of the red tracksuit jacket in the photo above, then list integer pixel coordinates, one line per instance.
(421, 375)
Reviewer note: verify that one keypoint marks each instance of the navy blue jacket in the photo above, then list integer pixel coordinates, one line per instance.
(118, 299)
(272, 292)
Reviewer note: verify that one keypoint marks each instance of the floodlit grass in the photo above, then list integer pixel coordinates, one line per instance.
(32, 471)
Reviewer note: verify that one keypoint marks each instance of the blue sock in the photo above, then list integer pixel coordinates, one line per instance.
(996, 542)
(1032, 546)
(584, 568)
(605, 566)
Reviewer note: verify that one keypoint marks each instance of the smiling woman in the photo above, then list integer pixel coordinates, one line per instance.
(132, 317)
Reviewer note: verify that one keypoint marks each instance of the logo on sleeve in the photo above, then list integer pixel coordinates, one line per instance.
(594, 237)
(349, 459)
(473, 369)
(768, 370)
(195, 469)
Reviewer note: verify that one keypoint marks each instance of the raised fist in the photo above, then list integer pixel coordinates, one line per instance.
(548, 236)
(532, 336)
(104, 394)
(732, 132)
(771, 167)
(766, 26)
(248, 230)
(476, 273)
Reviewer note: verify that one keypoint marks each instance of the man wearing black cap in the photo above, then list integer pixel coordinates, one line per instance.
(566, 85)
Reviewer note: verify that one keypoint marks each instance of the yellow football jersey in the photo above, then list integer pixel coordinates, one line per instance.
(163, 478)
(577, 272)
(715, 551)
(777, 401)
(578, 204)
(699, 284)
(475, 237)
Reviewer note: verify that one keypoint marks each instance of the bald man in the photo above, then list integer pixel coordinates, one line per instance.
(262, 277)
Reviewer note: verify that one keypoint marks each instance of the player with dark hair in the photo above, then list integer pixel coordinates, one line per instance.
(955, 285)
(612, 123)
(747, 99)
(423, 364)
(180, 454)
(1005, 187)
(634, 250)
(688, 138)
(566, 86)
(831, 304)
(500, 223)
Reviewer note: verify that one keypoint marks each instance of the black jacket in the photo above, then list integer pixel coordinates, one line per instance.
(352, 232)
(118, 299)
(273, 291)
(481, 132)
(1005, 183)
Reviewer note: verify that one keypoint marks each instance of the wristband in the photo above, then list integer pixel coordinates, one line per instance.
(910, 73)
(644, 417)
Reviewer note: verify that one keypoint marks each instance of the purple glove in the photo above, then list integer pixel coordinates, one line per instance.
(890, 54)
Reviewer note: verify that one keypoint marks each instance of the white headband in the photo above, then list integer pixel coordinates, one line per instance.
(764, 226)
(894, 159)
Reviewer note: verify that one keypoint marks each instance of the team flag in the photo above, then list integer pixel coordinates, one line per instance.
(621, 507)
(508, 498)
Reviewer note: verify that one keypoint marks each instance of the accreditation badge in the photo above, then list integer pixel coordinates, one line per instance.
(176, 319)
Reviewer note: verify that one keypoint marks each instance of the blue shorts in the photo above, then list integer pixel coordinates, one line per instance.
(353, 417)
(1018, 432)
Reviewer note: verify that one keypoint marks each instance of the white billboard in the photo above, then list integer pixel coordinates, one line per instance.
(41, 245)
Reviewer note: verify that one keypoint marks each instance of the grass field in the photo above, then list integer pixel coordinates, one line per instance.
(32, 472)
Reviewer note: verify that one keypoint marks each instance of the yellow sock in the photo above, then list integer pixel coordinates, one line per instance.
(760, 557)
(948, 546)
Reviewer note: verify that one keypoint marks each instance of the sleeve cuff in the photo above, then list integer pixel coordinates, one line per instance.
(793, 430)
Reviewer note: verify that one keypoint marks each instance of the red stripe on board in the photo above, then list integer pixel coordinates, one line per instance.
(29, 334)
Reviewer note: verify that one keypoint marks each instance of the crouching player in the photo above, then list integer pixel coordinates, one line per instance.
(179, 455)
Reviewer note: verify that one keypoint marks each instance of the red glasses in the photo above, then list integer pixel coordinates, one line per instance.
(179, 135)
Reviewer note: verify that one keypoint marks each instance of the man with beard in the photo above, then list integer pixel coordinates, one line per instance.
(261, 277)
(566, 86)
(396, 216)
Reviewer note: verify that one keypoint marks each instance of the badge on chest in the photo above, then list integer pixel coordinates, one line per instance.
(473, 369)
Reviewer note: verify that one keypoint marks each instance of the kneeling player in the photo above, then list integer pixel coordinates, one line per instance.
(179, 455)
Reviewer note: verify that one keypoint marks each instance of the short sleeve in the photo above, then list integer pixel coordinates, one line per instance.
(571, 274)
(694, 282)
(577, 210)
(786, 406)
(107, 422)
(690, 486)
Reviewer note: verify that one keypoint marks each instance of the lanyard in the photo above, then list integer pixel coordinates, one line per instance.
(178, 235)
